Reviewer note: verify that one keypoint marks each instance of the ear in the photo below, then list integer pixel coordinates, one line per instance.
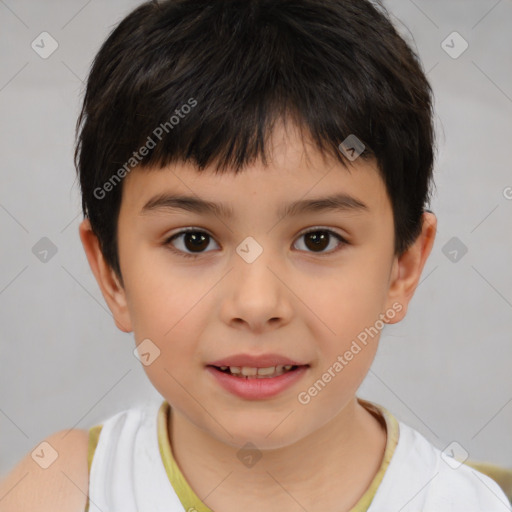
(113, 292)
(407, 268)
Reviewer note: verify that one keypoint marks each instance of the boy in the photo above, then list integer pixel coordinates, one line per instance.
(254, 176)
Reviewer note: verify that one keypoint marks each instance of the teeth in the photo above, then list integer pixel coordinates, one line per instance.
(245, 371)
(267, 371)
(248, 372)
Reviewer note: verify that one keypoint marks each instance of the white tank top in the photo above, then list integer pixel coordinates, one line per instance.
(128, 473)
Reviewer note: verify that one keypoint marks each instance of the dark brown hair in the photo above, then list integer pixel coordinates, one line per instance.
(336, 67)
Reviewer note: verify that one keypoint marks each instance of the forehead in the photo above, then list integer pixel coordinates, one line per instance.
(295, 172)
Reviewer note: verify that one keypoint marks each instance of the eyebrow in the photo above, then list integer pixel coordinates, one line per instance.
(336, 202)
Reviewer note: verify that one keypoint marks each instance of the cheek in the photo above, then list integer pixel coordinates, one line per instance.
(348, 303)
(350, 308)
(171, 306)
(161, 294)
(167, 309)
(346, 344)
(167, 312)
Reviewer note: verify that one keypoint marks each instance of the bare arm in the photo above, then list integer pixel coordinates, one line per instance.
(54, 478)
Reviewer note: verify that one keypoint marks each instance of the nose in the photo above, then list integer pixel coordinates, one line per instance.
(256, 295)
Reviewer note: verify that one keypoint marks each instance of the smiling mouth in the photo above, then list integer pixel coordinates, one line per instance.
(245, 372)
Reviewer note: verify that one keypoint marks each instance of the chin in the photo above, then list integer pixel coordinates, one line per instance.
(265, 434)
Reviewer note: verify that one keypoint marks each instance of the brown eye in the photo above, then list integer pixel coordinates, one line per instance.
(318, 240)
(194, 241)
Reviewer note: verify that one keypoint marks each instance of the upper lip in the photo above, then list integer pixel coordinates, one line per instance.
(253, 361)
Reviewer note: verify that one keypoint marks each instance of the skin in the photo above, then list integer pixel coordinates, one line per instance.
(305, 304)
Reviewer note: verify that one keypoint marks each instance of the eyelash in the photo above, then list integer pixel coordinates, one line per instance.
(168, 241)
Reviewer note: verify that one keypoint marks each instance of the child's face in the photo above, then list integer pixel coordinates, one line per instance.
(299, 300)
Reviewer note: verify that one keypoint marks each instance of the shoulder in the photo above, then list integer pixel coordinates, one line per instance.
(422, 477)
(464, 488)
(52, 476)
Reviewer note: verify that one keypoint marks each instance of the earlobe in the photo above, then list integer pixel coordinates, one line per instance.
(408, 267)
(111, 289)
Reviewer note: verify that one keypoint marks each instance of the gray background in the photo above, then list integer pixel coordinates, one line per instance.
(445, 370)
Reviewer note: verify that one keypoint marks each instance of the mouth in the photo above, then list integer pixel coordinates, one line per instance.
(246, 372)
(257, 382)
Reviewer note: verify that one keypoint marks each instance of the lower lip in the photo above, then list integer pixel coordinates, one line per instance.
(254, 388)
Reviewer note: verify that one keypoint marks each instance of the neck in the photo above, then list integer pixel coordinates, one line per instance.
(346, 452)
